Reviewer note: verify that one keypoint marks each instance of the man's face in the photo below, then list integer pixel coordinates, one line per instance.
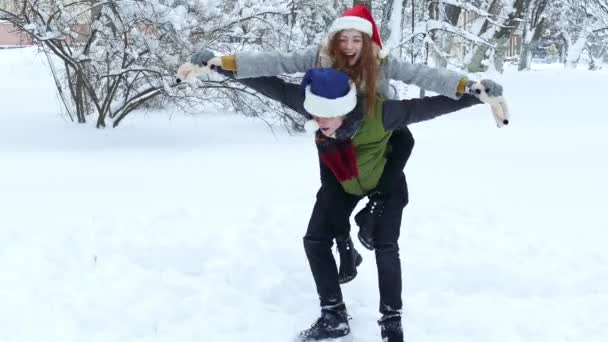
(351, 43)
(328, 126)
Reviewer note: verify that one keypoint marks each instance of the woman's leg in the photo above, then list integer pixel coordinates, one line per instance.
(400, 147)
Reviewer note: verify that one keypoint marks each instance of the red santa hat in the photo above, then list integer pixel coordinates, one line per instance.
(358, 18)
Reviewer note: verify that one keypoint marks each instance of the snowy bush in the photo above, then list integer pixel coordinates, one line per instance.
(110, 57)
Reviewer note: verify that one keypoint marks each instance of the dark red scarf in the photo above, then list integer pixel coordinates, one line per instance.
(339, 153)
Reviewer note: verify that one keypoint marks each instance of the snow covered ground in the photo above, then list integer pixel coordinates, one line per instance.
(188, 228)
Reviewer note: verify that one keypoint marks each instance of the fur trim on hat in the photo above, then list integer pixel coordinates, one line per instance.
(329, 108)
(351, 23)
(325, 60)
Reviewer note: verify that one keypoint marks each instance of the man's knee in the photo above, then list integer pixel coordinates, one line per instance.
(311, 242)
(382, 248)
(316, 249)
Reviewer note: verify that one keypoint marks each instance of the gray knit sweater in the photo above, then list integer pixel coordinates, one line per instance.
(274, 63)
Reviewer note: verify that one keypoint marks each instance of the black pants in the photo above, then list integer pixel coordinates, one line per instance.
(330, 218)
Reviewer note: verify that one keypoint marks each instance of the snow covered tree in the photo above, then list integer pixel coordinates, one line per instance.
(367, 3)
(107, 57)
(110, 57)
(581, 21)
(502, 21)
(533, 29)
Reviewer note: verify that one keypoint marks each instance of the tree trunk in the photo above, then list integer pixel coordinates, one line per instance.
(575, 50)
(499, 55)
(525, 53)
(478, 52)
(533, 29)
(387, 10)
(367, 3)
(602, 54)
(392, 27)
(437, 60)
(452, 14)
(445, 41)
(565, 47)
(525, 57)
(501, 36)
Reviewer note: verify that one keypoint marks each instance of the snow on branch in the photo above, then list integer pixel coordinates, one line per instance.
(424, 27)
(492, 18)
(465, 6)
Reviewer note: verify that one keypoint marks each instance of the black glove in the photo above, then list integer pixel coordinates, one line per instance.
(367, 219)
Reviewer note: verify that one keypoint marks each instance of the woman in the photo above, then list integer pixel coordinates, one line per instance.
(353, 46)
(352, 145)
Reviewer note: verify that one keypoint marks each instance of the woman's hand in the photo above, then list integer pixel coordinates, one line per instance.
(490, 92)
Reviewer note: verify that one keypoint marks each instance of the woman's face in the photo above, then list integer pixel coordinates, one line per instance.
(328, 126)
(350, 44)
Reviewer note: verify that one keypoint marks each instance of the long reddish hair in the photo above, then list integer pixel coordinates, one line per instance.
(364, 72)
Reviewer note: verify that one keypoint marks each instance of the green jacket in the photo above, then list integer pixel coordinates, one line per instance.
(370, 145)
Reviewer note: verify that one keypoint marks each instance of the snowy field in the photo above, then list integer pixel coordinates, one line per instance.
(188, 228)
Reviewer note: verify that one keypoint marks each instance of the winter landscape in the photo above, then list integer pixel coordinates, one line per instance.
(186, 225)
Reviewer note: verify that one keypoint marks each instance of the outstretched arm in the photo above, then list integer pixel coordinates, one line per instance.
(397, 114)
(449, 83)
(274, 88)
(442, 81)
(249, 64)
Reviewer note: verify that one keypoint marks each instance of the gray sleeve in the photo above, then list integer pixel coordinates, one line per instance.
(440, 81)
(274, 63)
(397, 114)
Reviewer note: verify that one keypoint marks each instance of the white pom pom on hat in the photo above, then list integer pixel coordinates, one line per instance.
(384, 52)
(311, 126)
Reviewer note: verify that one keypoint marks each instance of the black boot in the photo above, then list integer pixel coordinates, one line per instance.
(367, 219)
(390, 328)
(331, 326)
(350, 259)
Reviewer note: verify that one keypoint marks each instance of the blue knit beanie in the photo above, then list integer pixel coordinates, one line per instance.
(328, 93)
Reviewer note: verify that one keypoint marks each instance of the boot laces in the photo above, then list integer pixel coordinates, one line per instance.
(325, 319)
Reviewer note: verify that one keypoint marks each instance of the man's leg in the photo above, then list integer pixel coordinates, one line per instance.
(386, 246)
(318, 240)
(331, 207)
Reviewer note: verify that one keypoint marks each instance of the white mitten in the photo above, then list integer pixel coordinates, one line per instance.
(490, 92)
(189, 71)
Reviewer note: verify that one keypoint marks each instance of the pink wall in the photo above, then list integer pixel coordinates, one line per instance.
(10, 36)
